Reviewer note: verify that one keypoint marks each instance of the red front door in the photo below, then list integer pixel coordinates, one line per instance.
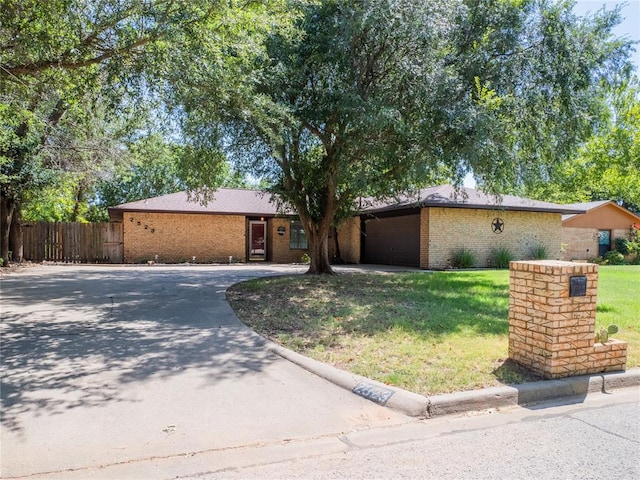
(257, 240)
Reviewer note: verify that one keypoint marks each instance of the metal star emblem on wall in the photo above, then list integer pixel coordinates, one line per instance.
(497, 225)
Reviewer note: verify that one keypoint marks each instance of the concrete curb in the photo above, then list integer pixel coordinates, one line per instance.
(409, 403)
(416, 405)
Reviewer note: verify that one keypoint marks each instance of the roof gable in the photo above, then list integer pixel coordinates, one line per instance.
(604, 215)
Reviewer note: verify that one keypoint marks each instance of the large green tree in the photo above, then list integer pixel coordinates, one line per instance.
(55, 57)
(607, 165)
(60, 55)
(154, 167)
(376, 97)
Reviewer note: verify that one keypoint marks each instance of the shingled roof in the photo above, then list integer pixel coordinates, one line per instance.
(233, 201)
(226, 201)
(450, 197)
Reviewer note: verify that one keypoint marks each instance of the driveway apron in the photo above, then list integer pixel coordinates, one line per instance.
(109, 365)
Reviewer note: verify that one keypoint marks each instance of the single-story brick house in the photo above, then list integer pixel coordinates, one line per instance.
(592, 233)
(421, 231)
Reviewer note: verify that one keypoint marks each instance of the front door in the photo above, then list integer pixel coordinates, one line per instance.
(257, 240)
(604, 242)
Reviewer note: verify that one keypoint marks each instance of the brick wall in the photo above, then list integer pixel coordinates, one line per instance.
(178, 237)
(279, 248)
(424, 238)
(453, 228)
(349, 235)
(552, 333)
(579, 243)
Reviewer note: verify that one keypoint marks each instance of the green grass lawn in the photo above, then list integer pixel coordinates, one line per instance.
(426, 332)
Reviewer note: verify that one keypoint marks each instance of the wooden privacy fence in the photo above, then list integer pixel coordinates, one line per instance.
(73, 242)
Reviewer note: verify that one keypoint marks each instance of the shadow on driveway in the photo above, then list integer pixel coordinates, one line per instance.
(76, 338)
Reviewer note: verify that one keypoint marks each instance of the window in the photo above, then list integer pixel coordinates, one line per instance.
(298, 237)
(604, 242)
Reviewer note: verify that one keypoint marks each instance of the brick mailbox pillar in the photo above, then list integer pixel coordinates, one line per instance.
(552, 314)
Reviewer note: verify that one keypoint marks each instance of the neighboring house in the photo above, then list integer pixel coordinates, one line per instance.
(592, 234)
(423, 231)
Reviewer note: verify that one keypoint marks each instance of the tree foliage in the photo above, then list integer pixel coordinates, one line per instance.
(607, 165)
(372, 98)
(61, 58)
(57, 59)
(153, 167)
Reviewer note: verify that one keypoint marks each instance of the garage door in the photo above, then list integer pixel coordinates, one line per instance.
(392, 241)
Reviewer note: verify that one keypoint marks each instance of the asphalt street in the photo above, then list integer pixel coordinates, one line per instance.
(598, 437)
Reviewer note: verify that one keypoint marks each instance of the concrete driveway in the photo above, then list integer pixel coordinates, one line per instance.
(105, 366)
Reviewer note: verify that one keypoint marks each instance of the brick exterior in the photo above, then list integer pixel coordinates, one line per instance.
(552, 333)
(278, 246)
(424, 238)
(177, 237)
(582, 243)
(349, 240)
(579, 243)
(452, 228)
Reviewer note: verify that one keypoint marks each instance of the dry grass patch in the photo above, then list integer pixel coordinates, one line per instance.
(426, 332)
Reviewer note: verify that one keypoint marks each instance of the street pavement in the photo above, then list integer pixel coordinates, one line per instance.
(597, 437)
(145, 372)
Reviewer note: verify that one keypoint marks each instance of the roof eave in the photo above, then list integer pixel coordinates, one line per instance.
(121, 211)
(477, 207)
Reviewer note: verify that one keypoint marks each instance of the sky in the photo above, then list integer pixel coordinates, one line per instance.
(630, 26)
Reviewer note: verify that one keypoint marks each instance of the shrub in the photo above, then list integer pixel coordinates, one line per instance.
(539, 252)
(500, 257)
(463, 258)
(614, 258)
(622, 245)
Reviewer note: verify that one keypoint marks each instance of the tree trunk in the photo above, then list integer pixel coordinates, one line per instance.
(16, 239)
(78, 199)
(319, 252)
(338, 256)
(7, 208)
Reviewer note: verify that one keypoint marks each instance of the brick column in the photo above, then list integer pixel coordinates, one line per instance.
(552, 332)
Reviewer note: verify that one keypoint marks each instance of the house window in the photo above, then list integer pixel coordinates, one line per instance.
(604, 242)
(298, 237)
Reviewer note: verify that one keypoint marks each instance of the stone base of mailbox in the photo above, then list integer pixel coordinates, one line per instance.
(551, 332)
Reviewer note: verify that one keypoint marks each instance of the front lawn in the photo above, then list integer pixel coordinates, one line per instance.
(426, 332)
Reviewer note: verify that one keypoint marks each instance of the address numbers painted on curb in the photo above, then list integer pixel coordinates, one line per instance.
(375, 393)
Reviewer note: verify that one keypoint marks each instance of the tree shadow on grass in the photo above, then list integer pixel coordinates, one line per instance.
(420, 311)
(430, 305)
(77, 338)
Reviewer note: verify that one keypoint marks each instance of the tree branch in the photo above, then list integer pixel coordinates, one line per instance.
(74, 65)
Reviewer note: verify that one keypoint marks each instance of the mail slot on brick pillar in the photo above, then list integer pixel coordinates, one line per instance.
(552, 314)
